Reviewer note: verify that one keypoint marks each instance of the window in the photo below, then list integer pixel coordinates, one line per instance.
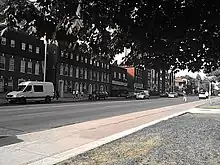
(81, 73)
(90, 74)
(61, 54)
(37, 50)
(86, 60)
(91, 62)
(77, 72)
(82, 59)
(98, 63)
(115, 75)
(107, 66)
(66, 55)
(12, 43)
(2, 61)
(22, 67)
(97, 76)
(94, 63)
(28, 88)
(71, 71)
(65, 86)
(11, 64)
(102, 65)
(23, 46)
(71, 56)
(77, 58)
(3, 41)
(94, 75)
(107, 78)
(102, 77)
(66, 70)
(29, 68)
(38, 88)
(37, 68)
(119, 75)
(10, 84)
(86, 74)
(61, 69)
(124, 76)
(1, 84)
(30, 48)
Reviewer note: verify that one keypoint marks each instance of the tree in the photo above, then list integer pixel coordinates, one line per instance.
(160, 33)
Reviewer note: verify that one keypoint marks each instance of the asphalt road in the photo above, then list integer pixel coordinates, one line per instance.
(34, 117)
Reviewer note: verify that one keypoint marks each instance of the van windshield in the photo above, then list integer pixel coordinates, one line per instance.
(20, 88)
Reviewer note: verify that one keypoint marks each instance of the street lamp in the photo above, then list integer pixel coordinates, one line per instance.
(45, 56)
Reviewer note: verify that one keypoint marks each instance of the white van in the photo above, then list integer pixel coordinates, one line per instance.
(32, 91)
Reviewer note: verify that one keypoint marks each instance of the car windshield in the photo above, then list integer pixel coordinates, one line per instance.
(20, 88)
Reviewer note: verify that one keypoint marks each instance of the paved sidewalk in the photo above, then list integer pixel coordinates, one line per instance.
(55, 145)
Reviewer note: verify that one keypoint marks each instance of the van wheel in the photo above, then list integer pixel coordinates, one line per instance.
(47, 99)
(22, 101)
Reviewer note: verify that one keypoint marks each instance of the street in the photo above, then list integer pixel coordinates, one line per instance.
(22, 119)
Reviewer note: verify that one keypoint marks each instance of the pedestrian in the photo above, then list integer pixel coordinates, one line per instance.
(207, 95)
(57, 95)
(184, 96)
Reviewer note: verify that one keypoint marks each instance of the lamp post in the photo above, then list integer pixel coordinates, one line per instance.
(45, 57)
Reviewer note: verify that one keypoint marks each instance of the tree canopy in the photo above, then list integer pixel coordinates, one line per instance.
(160, 33)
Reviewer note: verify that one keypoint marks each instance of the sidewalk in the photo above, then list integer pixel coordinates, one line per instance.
(55, 145)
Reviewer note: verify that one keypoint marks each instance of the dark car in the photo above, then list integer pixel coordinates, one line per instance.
(164, 94)
(131, 95)
(97, 95)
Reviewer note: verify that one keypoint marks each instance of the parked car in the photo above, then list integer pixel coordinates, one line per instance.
(32, 91)
(143, 95)
(202, 95)
(172, 95)
(97, 95)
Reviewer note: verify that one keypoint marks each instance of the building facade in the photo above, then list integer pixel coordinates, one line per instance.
(70, 71)
(21, 59)
(135, 78)
(119, 81)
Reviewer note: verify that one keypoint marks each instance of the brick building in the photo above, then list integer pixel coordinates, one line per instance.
(135, 78)
(21, 58)
(119, 81)
(70, 71)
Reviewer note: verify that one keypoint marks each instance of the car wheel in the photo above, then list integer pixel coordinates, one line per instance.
(47, 99)
(22, 101)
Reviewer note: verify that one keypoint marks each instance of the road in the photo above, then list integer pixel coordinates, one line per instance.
(35, 117)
